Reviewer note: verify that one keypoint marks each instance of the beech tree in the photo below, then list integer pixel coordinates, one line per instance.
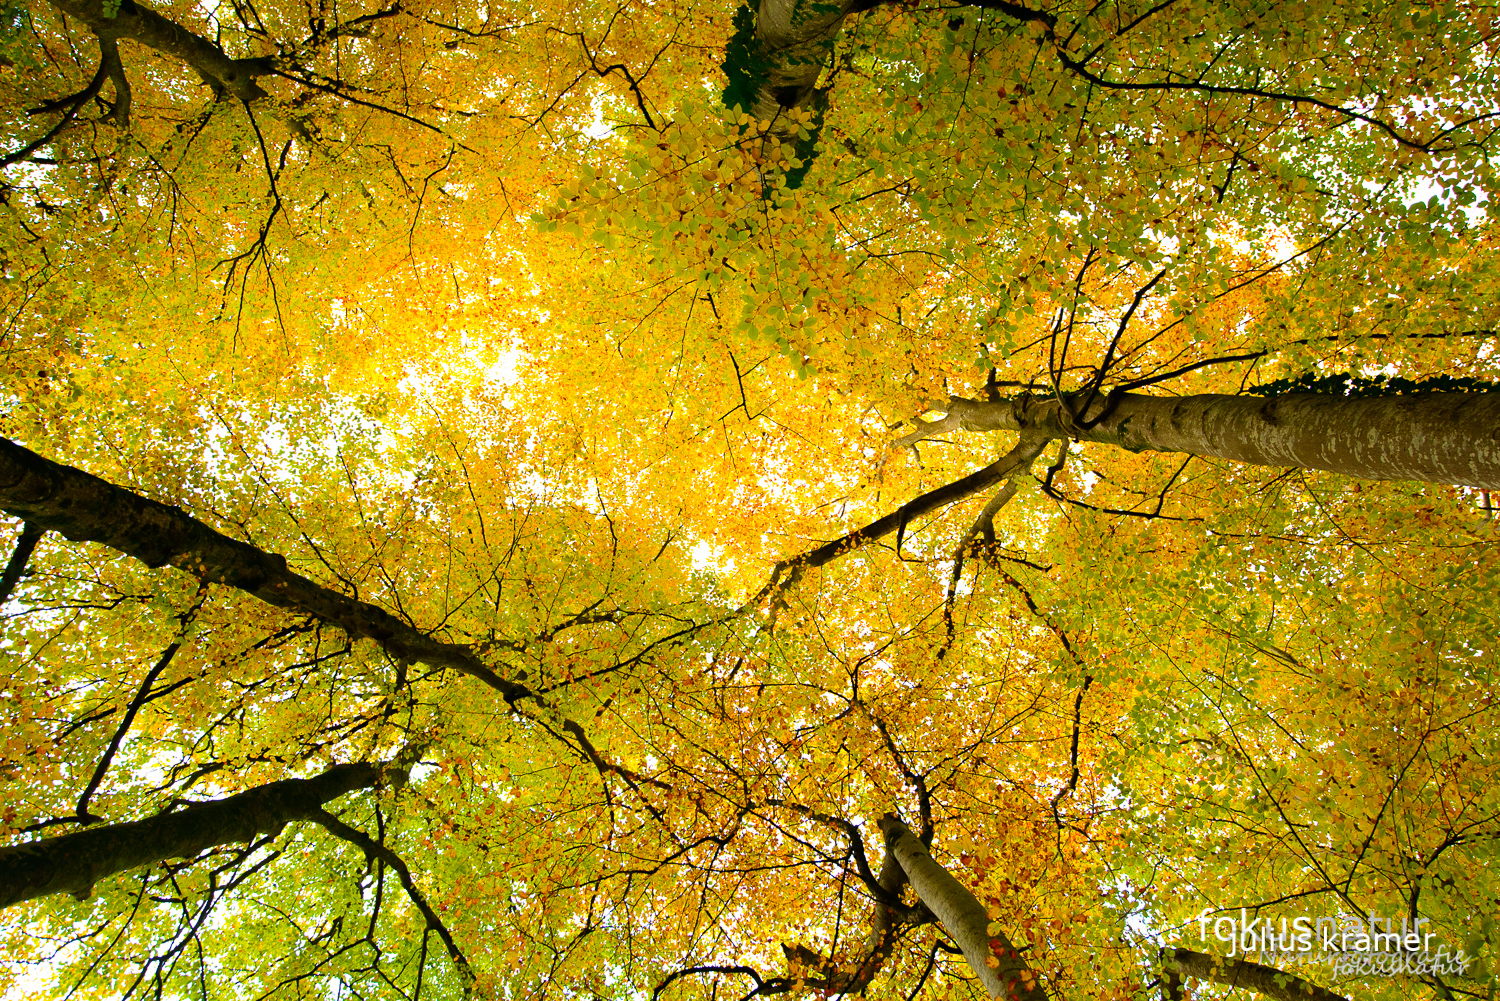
(515, 500)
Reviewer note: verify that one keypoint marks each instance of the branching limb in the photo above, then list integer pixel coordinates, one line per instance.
(143, 695)
(69, 106)
(1068, 789)
(139, 23)
(857, 844)
(1080, 69)
(120, 113)
(1091, 391)
(84, 507)
(786, 573)
(621, 68)
(371, 847)
(927, 429)
(918, 780)
(1088, 680)
(763, 985)
(31, 534)
(984, 526)
(80, 507)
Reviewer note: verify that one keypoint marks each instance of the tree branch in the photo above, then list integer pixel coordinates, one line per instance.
(73, 863)
(786, 573)
(139, 23)
(68, 105)
(30, 535)
(82, 507)
(142, 696)
(1273, 983)
(371, 847)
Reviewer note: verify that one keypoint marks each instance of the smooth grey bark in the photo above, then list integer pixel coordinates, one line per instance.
(82, 507)
(1430, 437)
(73, 863)
(1273, 983)
(962, 916)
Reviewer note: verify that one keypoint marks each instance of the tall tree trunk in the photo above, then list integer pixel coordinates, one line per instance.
(73, 863)
(82, 507)
(962, 917)
(1432, 437)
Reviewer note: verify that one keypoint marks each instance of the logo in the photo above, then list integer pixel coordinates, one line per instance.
(1352, 946)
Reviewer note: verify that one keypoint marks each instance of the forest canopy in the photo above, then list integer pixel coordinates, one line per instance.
(695, 502)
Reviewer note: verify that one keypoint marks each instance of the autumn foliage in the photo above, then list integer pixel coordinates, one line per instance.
(552, 370)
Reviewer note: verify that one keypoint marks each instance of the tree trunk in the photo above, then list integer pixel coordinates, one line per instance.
(1273, 983)
(962, 917)
(82, 507)
(72, 863)
(1431, 437)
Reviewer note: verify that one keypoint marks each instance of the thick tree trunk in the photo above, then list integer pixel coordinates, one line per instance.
(962, 917)
(1431, 437)
(73, 863)
(1273, 983)
(82, 507)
